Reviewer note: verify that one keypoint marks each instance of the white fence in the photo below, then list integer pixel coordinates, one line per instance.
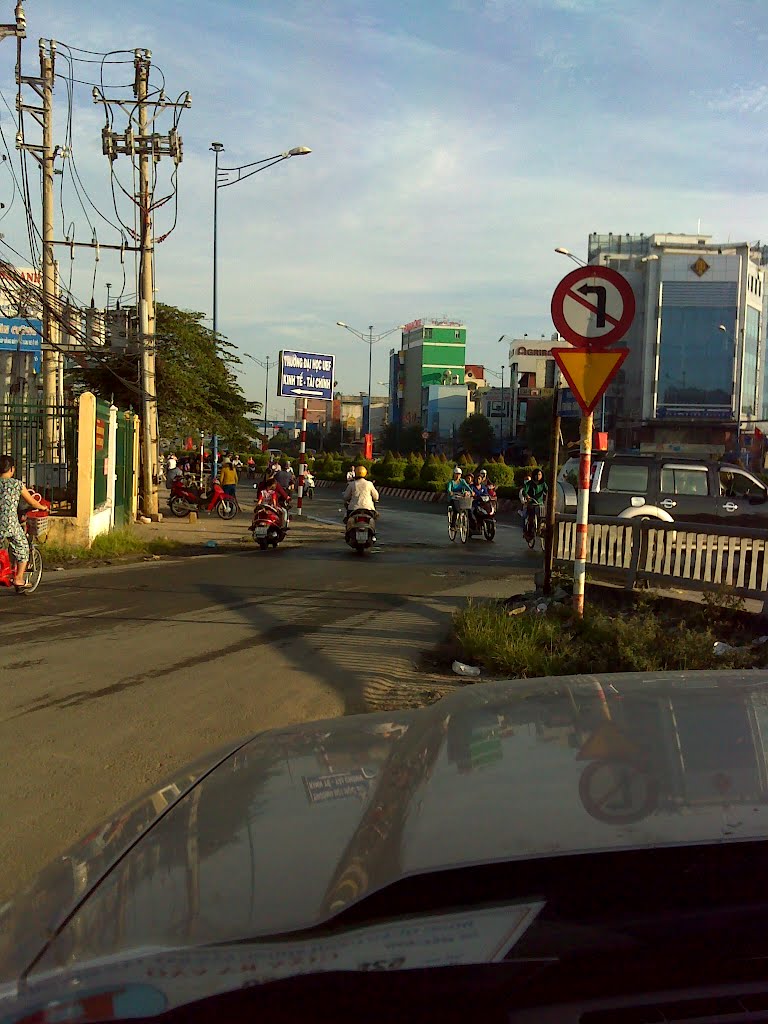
(689, 556)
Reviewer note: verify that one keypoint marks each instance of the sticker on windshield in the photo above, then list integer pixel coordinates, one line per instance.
(440, 940)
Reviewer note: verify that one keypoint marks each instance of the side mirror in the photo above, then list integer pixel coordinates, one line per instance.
(758, 499)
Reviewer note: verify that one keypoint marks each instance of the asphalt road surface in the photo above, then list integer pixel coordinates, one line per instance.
(113, 678)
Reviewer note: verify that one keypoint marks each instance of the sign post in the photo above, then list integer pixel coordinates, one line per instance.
(305, 375)
(592, 308)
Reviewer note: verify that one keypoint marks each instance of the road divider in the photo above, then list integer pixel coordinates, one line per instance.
(414, 494)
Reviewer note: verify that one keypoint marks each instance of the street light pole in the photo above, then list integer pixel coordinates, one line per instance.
(370, 341)
(266, 365)
(503, 411)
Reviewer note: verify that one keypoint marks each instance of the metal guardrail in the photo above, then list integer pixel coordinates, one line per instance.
(690, 556)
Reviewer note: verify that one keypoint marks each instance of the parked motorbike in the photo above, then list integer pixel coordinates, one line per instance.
(482, 519)
(269, 525)
(361, 530)
(185, 498)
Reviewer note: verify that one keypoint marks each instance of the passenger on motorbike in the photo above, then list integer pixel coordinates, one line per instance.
(273, 494)
(360, 493)
(534, 494)
(455, 487)
(481, 490)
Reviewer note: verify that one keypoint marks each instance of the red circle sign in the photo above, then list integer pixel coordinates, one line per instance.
(593, 307)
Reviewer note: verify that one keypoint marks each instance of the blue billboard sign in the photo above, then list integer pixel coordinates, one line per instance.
(305, 375)
(569, 408)
(22, 334)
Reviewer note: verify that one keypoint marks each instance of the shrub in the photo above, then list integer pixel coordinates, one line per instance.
(500, 475)
(434, 471)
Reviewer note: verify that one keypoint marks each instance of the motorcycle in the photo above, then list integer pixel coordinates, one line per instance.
(270, 524)
(309, 486)
(360, 531)
(185, 498)
(482, 519)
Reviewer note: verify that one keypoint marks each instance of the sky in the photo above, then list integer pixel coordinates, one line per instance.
(455, 144)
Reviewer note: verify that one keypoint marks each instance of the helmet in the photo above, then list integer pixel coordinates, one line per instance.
(482, 473)
(360, 472)
(457, 470)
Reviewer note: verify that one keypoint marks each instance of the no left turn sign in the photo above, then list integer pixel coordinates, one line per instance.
(593, 307)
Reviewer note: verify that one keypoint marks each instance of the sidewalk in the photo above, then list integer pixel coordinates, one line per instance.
(210, 531)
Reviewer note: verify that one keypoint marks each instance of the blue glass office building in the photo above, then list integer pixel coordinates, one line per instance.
(697, 369)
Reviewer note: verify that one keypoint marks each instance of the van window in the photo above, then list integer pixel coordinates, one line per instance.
(734, 484)
(677, 480)
(627, 478)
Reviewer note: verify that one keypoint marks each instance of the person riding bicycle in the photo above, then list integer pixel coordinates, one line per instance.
(455, 487)
(13, 491)
(534, 494)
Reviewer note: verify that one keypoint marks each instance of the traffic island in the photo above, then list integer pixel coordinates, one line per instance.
(529, 635)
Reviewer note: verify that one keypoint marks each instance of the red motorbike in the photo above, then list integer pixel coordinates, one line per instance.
(186, 498)
(270, 524)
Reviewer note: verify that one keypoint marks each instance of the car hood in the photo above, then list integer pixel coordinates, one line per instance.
(295, 825)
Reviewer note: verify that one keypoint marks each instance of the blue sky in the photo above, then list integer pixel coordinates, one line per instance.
(455, 144)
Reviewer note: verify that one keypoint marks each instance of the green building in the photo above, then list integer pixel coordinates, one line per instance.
(432, 352)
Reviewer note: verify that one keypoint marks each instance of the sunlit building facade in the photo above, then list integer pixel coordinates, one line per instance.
(697, 368)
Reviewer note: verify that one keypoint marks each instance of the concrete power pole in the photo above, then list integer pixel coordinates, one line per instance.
(150, 426)
(149, 146)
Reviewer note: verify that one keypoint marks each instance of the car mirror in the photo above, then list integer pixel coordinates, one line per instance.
(758, 499)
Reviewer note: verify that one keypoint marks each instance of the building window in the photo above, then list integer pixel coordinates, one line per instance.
(684, 481)
(749, 371)
(427, 332)
(457, 335)
(695, 356)
(627, 479)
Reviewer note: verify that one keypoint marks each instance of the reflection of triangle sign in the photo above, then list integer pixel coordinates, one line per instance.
(589, 373)
(607, 743)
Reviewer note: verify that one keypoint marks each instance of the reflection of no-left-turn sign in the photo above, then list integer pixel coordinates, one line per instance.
(618, 792)
(593, 307)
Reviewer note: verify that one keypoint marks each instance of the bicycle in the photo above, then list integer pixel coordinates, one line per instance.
(533, 525)
(458, 517)
(35, 527)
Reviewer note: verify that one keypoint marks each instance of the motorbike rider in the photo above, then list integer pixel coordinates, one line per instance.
(534, 494)
(360, 493)
(285, 476)
(481, 490)
(272, 493)
(455, 487)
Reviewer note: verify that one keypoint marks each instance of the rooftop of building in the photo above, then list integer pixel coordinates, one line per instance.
(618, 244)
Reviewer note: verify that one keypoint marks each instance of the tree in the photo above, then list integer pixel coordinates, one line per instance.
(197, 388)
(403, 439)
(476, 433)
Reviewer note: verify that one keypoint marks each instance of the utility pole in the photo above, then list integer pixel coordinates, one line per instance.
(148, 145)
(147, 299)
(42, 112)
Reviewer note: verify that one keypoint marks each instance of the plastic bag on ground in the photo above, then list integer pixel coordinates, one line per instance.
(465, 670)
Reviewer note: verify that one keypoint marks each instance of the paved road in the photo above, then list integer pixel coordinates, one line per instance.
(112, 678)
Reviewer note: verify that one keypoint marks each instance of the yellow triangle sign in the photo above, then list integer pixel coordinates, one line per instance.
(589, 372)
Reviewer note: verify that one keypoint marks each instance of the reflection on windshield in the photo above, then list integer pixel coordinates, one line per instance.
(496, 773)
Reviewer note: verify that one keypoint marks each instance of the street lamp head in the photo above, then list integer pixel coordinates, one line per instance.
(217, 147)
(563, 251)
(299, 151)
(723, 328)
(340, 323)
(649, 259)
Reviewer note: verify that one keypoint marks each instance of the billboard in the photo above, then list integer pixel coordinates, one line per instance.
(305, 375)
(19, 334)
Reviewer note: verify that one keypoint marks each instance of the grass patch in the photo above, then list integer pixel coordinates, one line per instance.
(619, 633)
(118, 543)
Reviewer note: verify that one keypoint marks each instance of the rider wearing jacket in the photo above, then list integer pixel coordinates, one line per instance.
(360, 493)
(535, 492)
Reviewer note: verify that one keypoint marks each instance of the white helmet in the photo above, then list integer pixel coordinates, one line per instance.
(457, 470)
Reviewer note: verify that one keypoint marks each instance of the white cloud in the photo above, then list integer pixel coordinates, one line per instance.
(742, 99)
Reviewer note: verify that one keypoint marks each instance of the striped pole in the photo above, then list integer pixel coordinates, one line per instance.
(302, 456)
(582, 515)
